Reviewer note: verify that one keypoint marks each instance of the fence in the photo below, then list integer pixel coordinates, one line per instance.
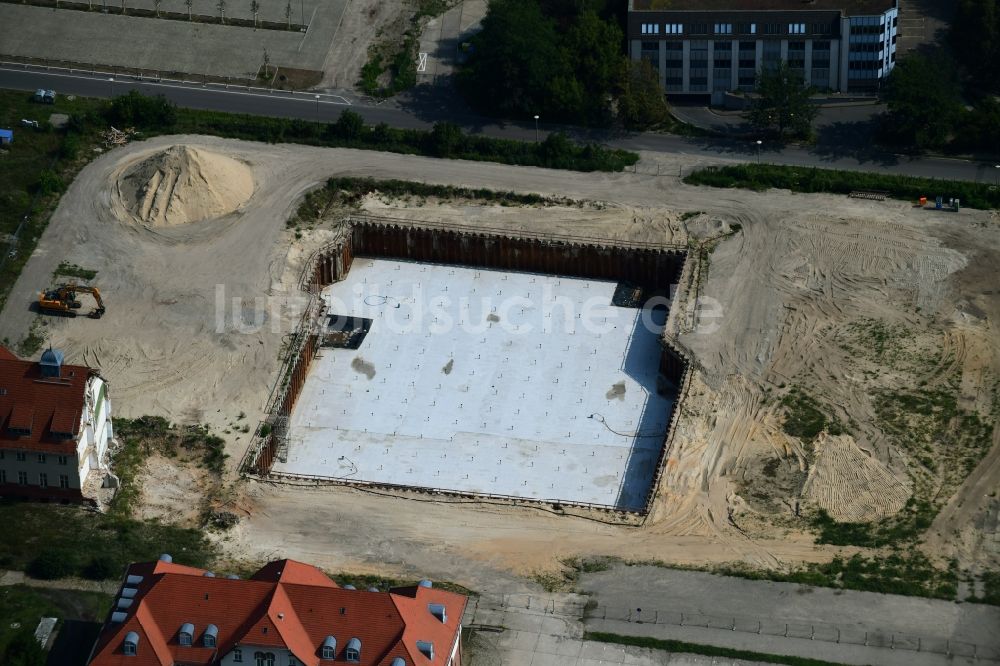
(483, 610)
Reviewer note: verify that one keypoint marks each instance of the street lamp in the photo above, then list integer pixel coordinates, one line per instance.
(317, 106)
(997, 167)
(536, 128)
(111, 86)
(759, 142)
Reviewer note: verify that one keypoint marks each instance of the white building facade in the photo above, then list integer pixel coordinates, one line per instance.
(708, 48)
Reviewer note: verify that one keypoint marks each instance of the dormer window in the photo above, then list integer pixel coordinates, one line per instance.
(131, 644)
(329, 649)
(186, 634)
(210, 636)
(353, 651)
(438, 611)
(426, 648)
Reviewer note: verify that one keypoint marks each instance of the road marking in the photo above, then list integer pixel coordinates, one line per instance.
(422, 62)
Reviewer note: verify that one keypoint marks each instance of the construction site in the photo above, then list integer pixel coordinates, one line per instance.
(446, 360)
(653, 431)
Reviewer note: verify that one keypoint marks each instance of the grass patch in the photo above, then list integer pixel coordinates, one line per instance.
(760, 177)
(346, 191)
(991, 589)
(33, 172)
(567, 577)
(72, 270)
(145, 435)
(907, 573)
(395, 59)
(21, 607)
(697, 648)
(805, 419)
(83, 537)
(33, 341)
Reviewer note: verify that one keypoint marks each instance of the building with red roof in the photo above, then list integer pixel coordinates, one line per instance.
(55, 426)
(286, 614)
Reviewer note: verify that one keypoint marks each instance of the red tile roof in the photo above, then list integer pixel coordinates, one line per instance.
(286, 605)
(45, 405)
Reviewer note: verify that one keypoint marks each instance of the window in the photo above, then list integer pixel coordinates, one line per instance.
(699, 28)
(674, 28)
(1, 454)
(186, 633)
(63, 460)
(353, 650)
(20, 457)
(772, 28)
(237, 656)
(41, 458)
(650, 28)
(22, 478)
(292, 661)
(3, 476)
(263, 658)
(211, 632)
(723, 28)
(43, 480)
(796, 28)
(63, 481)
(130, 644)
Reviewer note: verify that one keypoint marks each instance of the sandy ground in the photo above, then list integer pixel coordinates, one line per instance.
(781, 304)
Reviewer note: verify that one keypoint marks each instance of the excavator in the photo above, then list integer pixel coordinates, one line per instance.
(62, 300)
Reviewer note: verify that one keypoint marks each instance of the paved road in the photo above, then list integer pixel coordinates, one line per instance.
(416, 111)
(787, 618)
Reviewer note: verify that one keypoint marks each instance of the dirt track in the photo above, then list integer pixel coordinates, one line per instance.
(790, 286)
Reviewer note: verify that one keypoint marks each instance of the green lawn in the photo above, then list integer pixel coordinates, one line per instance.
(77, 539)
(31, 171)
(25, 606)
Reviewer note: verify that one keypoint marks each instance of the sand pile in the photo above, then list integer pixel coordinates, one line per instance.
(182, 184)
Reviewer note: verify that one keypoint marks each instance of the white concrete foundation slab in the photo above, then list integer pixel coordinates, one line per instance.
(488, 382)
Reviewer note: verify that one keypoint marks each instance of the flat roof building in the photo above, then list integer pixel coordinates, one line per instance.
(708, 48)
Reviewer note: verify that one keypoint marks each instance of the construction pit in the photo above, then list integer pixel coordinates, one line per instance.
(853, 302)
(432, 372)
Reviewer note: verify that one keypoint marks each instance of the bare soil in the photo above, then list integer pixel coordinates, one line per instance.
(788, 300)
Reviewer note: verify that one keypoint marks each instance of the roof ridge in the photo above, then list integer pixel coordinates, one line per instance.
(144, 616)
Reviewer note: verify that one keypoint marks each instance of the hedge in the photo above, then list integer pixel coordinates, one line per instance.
(760, 177)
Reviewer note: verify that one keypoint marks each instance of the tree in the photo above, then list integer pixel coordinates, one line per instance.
(598, 63)
(975, 40)
(781, 104)
(517, 67)
(254, 9)
(642, 103)
(156, 6)
(189, 4)
(52, 564)
(349, 125)
(221, 6)
(922, 96)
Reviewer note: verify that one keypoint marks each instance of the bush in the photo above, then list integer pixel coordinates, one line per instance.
(49, 182)
(52, 564)
(23, 649)
(102, 567)
(798, 179)
(136, 109)
(350, 125)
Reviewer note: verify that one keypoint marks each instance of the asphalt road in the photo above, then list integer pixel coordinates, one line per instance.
(420, 112)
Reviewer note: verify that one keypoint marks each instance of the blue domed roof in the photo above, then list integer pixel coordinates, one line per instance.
(52, 357)
(51, 362)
